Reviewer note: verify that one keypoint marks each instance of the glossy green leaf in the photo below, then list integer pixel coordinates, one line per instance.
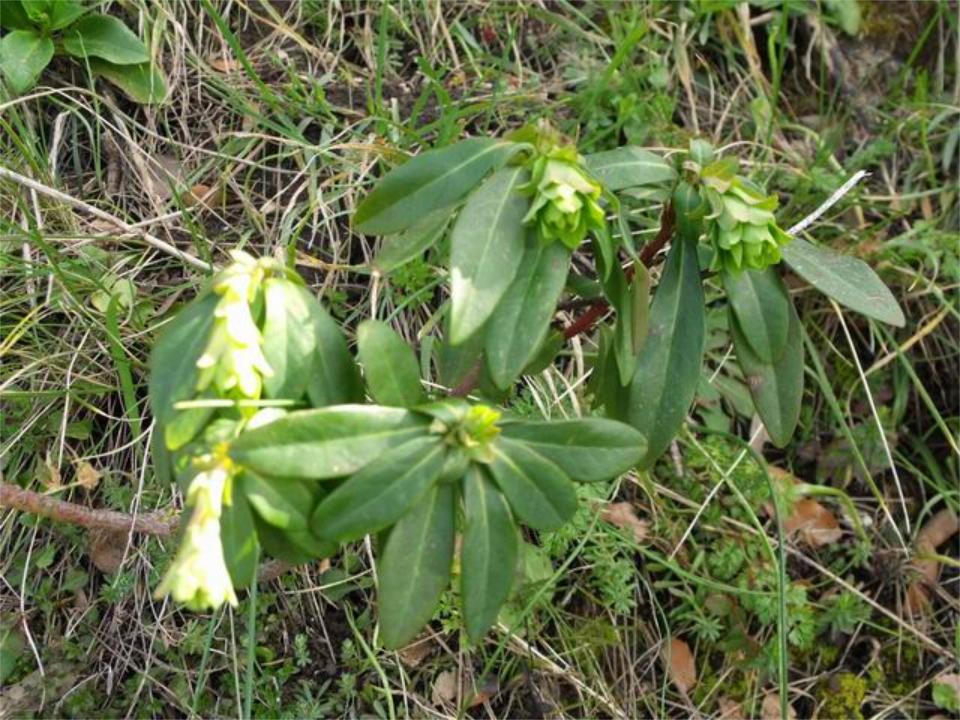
(761, 305)
(14, 17)
(379, 494)
(629, 166)
(23, 56)
(546, 353)
(289, 338)
(776, 388)
(389, 365)
(414, 569)
(399, 249)
(334, 378)
(588, 449)
(668, 367)
(630, 298)
(173, 371)
(107, 38)
(521, 319)
(488, 559)
(325, 443)
(848, 280)
(283, 503)
(143, 83)
(431, 181)
(486, 247)
(540, 494)
(240, 545)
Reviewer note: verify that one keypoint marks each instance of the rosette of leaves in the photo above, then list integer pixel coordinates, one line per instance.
(741, 224)
(736, 219)
(418, 473)
(254, 344)
(37, 30)
(505, 215)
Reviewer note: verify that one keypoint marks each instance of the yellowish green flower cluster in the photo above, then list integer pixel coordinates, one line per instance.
(198, 576)
(742, 226)
(565, 198)
(233, 360)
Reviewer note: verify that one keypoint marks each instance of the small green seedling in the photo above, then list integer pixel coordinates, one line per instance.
(36, 30)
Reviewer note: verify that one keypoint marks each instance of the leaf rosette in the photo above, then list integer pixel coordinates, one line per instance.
(565, 203)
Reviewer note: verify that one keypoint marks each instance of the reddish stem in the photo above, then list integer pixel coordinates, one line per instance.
(589, 317)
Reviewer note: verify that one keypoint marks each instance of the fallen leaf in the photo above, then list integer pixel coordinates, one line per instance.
(444, 688)
(88, 476)
(417, 651)
(936, 531)
(770, 708)
(730, 709)
(106, 549)
(625, 517)
(223, 64)
(488, 689)
(682, 665)
(814, 523)
(205, 195)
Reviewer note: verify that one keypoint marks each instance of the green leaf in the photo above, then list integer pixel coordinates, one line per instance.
(173, 371)
(848, 280)
(325, 443)
(539, 492)
(289, 338)
(414, 569)
(488, 559)
(630, 299)
(334, 378)
(64, 12)
(143, 83)
(455, 362)
(13, 16)
(588, 450)
(668, 367)
(292, 546)
(239, 540)
(281, 502)
(431, 181)
(379, 494)
(23, 56)
(389, 365)
(629, 166)
(760, 302)
(107, 38)
(396, 250)
(521, 319)
(486, 247)
(777, 388)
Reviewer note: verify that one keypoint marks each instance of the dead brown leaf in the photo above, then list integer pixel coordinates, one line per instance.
(815, 524)
(223, 64)
(88, 476)
(417, 651)
(770, 708)
(730, 709)
(936, 531)
(106, 549)
(625, 517)
(206, 195)
(488, 689)
(682, 665)
(444, 688)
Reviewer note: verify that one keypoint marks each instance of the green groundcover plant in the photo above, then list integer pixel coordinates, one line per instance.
(36, 30)
(285, 444)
